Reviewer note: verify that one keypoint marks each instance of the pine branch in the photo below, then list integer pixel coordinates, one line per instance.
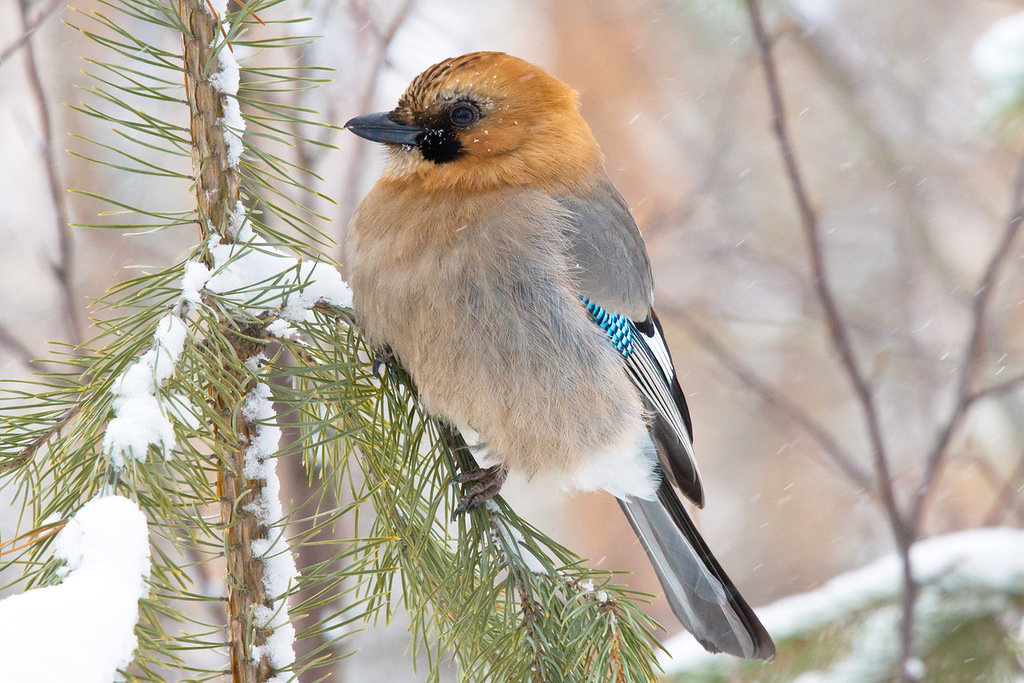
(218, 191)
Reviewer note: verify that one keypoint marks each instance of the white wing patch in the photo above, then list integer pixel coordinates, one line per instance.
(656, 343)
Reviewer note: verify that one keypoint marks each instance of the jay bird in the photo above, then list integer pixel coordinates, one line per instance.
(498, 263)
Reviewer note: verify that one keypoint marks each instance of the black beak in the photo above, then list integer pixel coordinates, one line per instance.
(380, 128)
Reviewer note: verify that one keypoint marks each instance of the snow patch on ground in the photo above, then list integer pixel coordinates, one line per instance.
(979, 560)
(998, 57)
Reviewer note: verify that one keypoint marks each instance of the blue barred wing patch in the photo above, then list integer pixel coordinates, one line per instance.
(618, 327)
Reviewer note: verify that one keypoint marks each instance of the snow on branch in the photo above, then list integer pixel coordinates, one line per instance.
(83, 629)
(259, 278)
(987, 561)
(225, 81)
(140, 414)
(279, 572)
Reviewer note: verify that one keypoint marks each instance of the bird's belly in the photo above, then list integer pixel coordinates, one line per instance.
(526, 370)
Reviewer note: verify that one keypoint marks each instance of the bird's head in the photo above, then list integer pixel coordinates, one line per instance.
(481, 121)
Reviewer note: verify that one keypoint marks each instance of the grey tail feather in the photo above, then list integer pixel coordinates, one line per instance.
(701, 595)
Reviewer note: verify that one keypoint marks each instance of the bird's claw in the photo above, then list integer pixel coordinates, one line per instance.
(486, 483)
(382, 358)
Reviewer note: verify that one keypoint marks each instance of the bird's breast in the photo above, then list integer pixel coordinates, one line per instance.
(476, 299)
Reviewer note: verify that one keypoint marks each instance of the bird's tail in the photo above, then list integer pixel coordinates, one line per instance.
(701, 595)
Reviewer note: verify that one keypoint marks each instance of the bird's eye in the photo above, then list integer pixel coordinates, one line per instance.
(463, 114)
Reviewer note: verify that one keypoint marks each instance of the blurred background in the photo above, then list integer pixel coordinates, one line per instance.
(910, 172)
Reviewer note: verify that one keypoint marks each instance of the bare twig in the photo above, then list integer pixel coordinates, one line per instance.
(30, 450)
(965, 397)
(384, 38)
(63, 267)
(903, 534)
(841, 457)
(27, 31)
(16, 348)
(1007, 386)
(1007, 498)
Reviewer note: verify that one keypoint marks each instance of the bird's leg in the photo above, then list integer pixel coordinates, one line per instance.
(486, 483)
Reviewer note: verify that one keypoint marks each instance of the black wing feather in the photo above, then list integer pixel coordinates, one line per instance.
(650, 368)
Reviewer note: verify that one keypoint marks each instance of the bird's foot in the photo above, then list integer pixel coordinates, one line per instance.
(382, 358)
(486, 483)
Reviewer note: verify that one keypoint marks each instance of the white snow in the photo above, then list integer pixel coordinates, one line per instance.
(219, 7)
(915, 668)
(81, 630)
(140, 415)
(281, 329)
(239, 225)
(259, 278)
(978, 560)
(225, 80)
(193, 281)
(279, 573)
(998, 57)
(233, 125)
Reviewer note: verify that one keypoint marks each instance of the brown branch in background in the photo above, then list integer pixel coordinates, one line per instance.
(776, 399)
(965, 395)
(306, 505)
(31, 449)
(63, 268)
(28, 29)
(384, 38)
(903, 533)
(1007, 386)
(1006, 501)
(294, 476)
(10, 343)
(309, 154)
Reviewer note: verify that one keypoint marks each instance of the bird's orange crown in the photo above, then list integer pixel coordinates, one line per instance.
(481, 121)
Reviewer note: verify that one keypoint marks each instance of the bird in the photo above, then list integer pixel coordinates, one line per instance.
(497, 262)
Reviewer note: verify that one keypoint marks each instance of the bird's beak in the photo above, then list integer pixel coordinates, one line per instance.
(380, 128)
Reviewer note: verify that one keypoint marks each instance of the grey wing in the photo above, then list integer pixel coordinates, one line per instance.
(611, 268)
(607, 254)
